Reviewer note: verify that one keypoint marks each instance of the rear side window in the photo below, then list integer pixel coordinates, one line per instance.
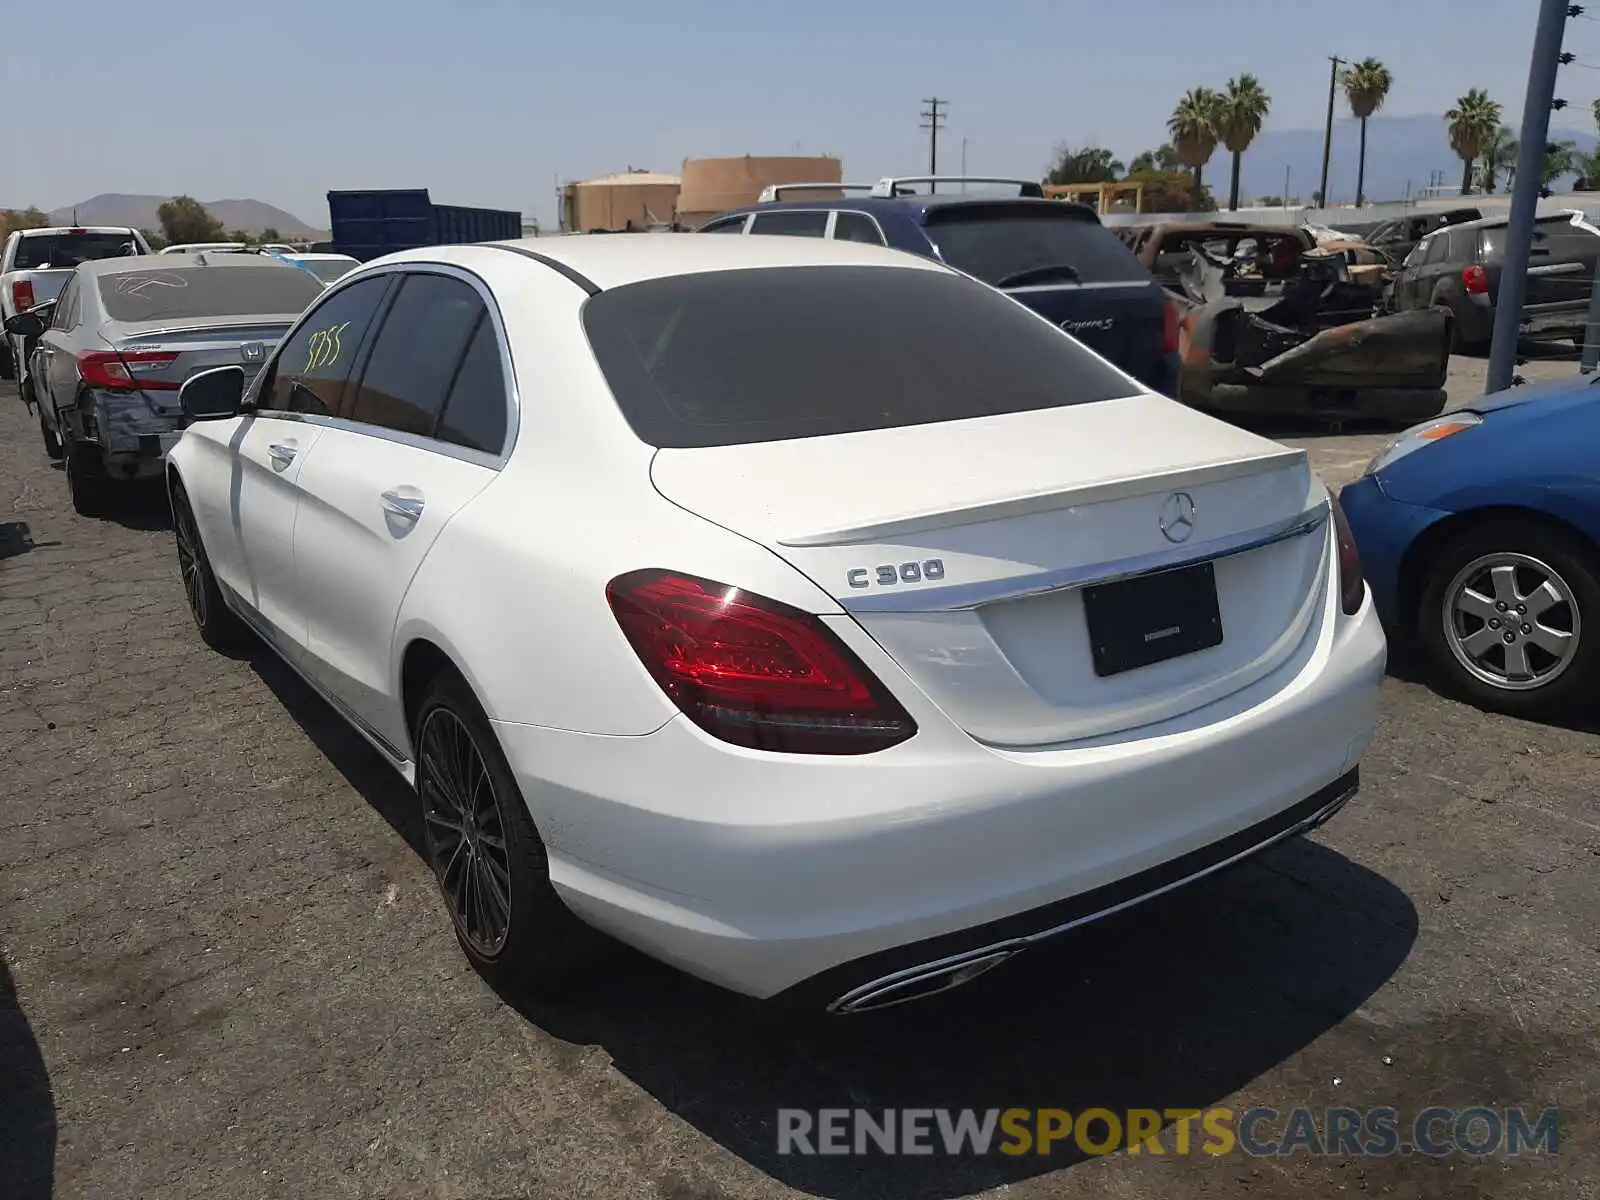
(416, 354)
(791, 224)
(475, 414)
(1004, 242)
(731, 225)
(59, 250)
(311, 369)
(184, 292)
(856, 227)
(729, 357)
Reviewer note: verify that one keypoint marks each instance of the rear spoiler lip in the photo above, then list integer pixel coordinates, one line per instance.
(204, 325)
(1190, 475)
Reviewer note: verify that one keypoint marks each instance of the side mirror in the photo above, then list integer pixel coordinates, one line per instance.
(28, 324)
(213, 395)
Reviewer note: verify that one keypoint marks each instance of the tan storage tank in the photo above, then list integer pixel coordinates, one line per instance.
(631, 199)
(714, 185)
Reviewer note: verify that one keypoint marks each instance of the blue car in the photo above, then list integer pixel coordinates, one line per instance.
(1051, 255)
(1479, 532)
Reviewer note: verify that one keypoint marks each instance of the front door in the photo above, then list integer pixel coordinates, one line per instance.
(298, 396)
(426, 430)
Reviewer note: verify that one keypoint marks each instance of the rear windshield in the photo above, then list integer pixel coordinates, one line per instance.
(730, 357)
(1558, 239)
(998, 241)
(69, 249)
(328, 269)
(185, 292)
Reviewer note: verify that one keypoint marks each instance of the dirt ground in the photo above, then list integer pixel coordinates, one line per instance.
(224, 971)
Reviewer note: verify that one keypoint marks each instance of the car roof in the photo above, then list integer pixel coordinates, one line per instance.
(153, 263)
(1568, 215)
(617, 259)
(52, 230)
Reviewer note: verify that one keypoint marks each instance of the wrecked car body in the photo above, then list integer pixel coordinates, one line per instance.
(1253, 257)
(1306, 355)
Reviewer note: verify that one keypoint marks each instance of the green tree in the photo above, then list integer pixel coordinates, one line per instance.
(1241, 111)
(1470, 123)
(185, 219)
(1498, 154)
(1162, 158)
(1170, 192)
(270, 234)
(1193, 126)
(1091, 164)
(22, 218)
(1366, 86)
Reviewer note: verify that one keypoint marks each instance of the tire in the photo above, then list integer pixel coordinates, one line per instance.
(519, 934)
(87, 482)
(8, 361)
(220, 628)
(52, 444)
(1525, 667)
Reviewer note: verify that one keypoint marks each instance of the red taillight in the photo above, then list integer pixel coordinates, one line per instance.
(752, 671)
(21, 295)
(113, 372)
(1352, 586)
(1476, 280)
(1169, 327)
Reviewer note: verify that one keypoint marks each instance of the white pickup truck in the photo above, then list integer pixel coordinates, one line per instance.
(35, 265)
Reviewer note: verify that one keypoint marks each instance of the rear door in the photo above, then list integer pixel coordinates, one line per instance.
(423, 432)
(1066, 266)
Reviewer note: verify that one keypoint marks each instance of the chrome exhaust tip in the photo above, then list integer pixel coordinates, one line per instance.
(918, 983)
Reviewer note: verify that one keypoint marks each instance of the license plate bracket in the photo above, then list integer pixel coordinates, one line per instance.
(1152, 618)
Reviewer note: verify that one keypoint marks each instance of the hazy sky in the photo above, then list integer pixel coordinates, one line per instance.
(487, 102)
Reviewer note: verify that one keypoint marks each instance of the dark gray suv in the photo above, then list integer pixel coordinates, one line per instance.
(1458, 267)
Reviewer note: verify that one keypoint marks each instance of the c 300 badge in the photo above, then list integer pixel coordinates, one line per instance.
(929, 569)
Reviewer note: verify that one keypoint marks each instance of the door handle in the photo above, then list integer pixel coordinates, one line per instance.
(407, 508)
(281, 453)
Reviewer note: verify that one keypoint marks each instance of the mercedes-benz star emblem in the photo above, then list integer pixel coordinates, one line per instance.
(1177, 517)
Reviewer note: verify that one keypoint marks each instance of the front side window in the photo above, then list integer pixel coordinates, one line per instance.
(313, 365)
(417, 353)
(62, 317)
(723, 358)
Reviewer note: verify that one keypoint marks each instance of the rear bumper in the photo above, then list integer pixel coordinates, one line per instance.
(760, 872)
(1388, 403)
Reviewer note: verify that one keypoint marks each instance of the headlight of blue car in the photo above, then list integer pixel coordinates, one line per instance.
(1422, 435)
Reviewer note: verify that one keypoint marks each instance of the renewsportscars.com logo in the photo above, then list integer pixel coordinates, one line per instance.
(1258, 1132)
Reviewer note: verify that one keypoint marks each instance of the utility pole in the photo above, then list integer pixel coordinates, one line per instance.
(1286, 186)
(933, 121)
(1527, 190)
(1327, 132)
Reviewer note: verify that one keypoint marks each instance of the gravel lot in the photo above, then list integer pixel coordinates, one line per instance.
(223, 970)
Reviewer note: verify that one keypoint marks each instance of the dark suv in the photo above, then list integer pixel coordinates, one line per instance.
(1458, 268)
(1052, 255)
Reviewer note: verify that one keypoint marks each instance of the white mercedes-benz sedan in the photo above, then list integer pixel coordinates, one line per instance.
(808, 615)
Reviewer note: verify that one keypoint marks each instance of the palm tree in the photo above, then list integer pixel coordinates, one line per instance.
(1499, 153)
(1241, 109)
(1193, 126)
(1366, 86)
(1472, 122)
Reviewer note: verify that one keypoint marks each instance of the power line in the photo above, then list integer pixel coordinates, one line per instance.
(933, 121)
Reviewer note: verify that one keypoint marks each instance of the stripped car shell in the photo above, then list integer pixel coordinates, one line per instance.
(1304, 356)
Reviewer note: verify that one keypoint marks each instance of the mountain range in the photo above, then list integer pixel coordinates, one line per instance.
(1402, 152)
(115, 208)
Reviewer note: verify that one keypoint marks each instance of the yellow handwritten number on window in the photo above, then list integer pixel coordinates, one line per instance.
(326, 346)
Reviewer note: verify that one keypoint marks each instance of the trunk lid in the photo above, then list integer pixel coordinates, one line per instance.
(971, 551)
(195, 345)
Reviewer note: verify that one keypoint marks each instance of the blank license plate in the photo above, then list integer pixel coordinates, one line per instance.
(1140, 622)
